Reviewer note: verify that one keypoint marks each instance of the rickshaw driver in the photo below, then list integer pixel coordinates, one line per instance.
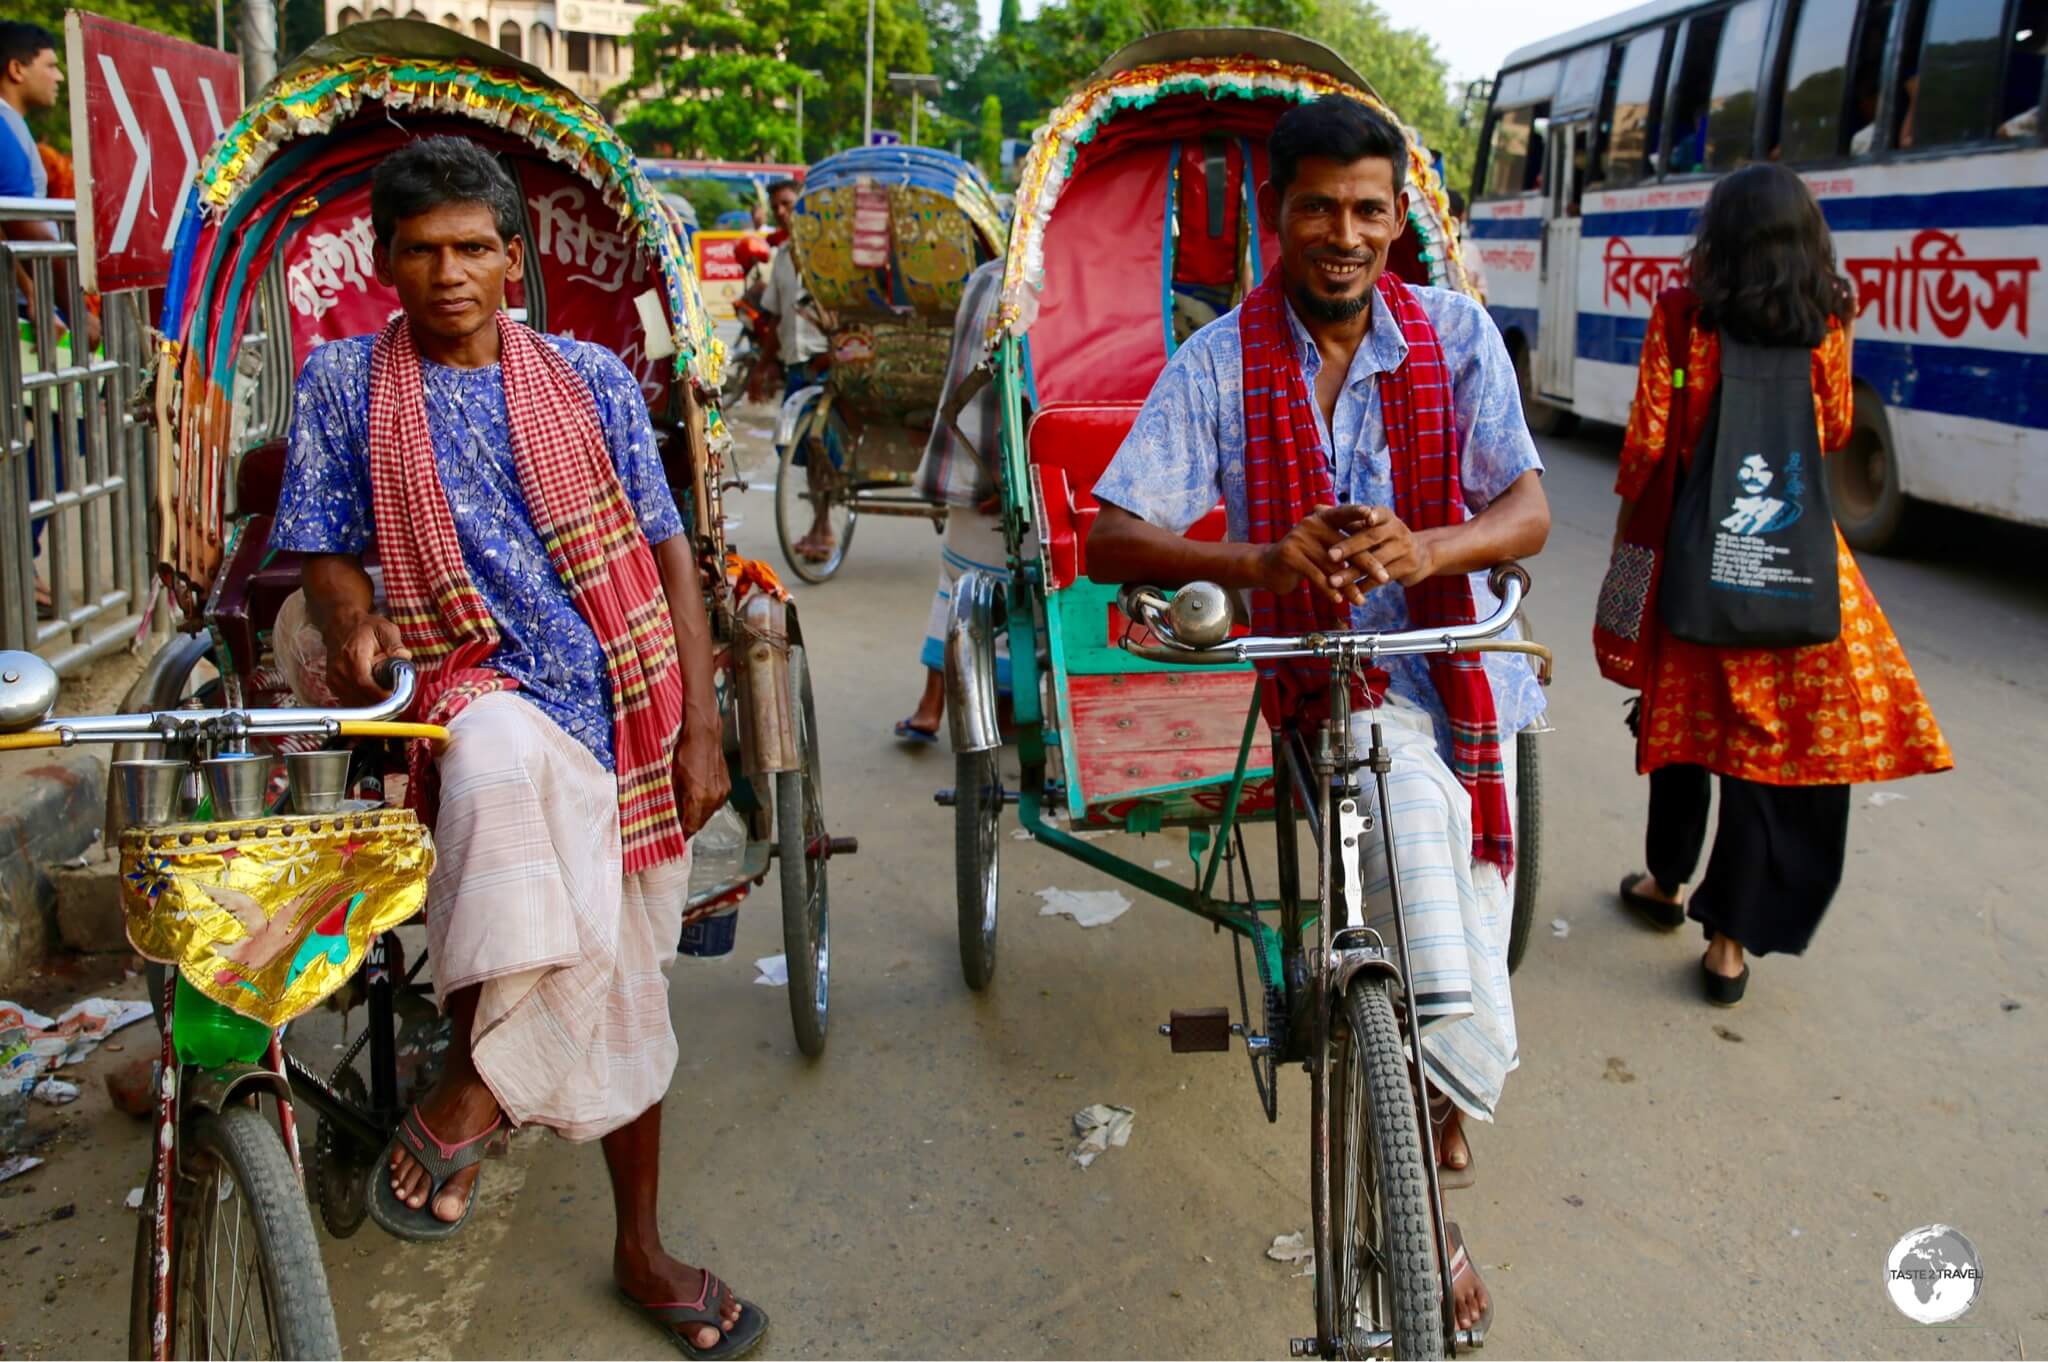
(513, 487)
(1421, 396)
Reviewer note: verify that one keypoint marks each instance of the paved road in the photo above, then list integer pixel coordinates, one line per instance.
(1668, 1180)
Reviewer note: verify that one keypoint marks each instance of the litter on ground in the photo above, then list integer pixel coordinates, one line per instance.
(774, 971)
(1880, 798)
(1294, 1248)
(1560, 928)
(1089, 907)
(1100, 1126)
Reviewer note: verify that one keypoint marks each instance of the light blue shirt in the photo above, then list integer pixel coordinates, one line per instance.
(1186, 451)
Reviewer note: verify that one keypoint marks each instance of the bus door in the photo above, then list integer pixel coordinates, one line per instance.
(1569, 152)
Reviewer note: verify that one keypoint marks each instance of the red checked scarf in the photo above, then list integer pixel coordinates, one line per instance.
(593, 539)
(1287, 474)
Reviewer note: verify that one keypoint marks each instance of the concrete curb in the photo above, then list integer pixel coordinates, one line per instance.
(52, 806)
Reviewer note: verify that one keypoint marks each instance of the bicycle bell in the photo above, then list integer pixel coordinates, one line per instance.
(28, 691)
(1200, 614)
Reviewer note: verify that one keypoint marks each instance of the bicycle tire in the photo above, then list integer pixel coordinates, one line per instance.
(1528, 844)
(786, 469)
(1370, 1102)
(977, 817)
(244, 1145)
(799, 818)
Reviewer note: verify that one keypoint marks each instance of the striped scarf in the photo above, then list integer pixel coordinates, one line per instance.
(1284, 480)
(593, 539)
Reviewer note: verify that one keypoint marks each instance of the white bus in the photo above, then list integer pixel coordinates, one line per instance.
(1918, 124)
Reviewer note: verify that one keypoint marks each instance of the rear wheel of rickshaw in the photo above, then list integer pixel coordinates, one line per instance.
(800, 488)
(977, 815)
(245, 1270)
(1528, 843)
(801, 846)
(1375, 1245)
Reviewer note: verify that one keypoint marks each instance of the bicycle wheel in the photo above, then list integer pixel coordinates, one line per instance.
(1377, 1284)
(1528, 843)
(977, 815)
(813, 495)
(246, 1275)
(799, 830)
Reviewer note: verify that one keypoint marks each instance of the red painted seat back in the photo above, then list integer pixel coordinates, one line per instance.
(1071, 445)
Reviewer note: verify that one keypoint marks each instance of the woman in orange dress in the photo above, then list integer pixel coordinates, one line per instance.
(1787, 730)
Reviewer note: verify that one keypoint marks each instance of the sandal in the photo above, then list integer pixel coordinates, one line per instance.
(442, 1162)
(911, 733)
(1461, 1262)
(709, 1308)
(1655, 911)
(1448, 1179)
(1723, 991)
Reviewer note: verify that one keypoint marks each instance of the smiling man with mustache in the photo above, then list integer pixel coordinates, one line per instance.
(1367, 441)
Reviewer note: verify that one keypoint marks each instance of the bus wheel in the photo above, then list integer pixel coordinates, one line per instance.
(1544, 418)
(1870, 502)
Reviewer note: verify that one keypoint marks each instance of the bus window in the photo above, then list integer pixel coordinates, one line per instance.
(1955, 55)
(1629, 138)
(1579, 88)
(1731, 113)
(2019, 112)
(1871, 38)
(1816, 83)
(1692, 87)
(1514, 156)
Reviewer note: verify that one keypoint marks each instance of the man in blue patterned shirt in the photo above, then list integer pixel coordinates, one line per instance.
(1337, 201)
(550, 940)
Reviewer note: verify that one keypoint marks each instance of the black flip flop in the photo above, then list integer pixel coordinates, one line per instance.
(1476, 1335)
(709, 1309)
(442, 1162)
(1721, 990)
(1665, 916)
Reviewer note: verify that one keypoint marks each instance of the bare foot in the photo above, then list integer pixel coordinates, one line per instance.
(662, 1280)
(1470, 1300)
(1453, 1152)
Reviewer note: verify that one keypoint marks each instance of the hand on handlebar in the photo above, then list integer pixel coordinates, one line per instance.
(1303, 554)
(356, 669)
(1383, 549)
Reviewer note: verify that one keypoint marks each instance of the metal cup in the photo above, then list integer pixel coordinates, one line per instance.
(151, 791)
(238, 781)
(319, 780)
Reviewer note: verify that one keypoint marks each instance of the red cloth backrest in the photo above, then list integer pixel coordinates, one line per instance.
(1080, 438)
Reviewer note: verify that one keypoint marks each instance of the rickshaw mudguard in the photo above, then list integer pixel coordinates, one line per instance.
(767, 716)
(215, 1088)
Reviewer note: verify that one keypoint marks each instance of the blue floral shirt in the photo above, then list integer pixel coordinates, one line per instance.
(545, 644)
(1186, 451)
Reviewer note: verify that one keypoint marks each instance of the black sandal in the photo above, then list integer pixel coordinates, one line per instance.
(1657, 912)
(675, 1317)
(1723, 991)
(441, 1161)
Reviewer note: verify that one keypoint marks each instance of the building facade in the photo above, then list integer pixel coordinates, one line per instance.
(581, 43)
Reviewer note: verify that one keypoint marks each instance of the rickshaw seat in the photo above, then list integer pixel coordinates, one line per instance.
(260, 479)
(1071, 445)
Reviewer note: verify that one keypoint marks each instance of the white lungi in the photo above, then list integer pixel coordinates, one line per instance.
(973, 542)
(529, 900)
(1458, 910)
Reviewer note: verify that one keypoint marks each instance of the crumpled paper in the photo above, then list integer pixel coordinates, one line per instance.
(774, 971)
(1294, 1248)
(32, 1044)
(1101, 1126)
(1089, 907)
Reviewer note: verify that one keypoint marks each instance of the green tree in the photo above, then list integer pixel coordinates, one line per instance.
(1406, 71)
(990, 153)
(1010, 19)
(954, 31)
(1071, 38)
(190, 19)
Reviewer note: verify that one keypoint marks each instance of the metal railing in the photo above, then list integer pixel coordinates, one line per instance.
(75, 465)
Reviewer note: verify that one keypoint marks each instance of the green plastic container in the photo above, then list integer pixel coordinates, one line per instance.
(209, 1035)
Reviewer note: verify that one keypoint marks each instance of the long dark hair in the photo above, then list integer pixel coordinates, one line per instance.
(1763, 264)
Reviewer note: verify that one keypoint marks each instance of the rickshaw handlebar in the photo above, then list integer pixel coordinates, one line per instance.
(1193, 623)
(179, 726)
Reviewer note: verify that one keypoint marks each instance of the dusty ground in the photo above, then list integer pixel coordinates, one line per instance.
(1668, 1180)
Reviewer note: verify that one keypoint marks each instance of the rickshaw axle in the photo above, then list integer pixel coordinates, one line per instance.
(823, 848)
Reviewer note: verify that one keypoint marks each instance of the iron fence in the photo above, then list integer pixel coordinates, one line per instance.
(75, 464)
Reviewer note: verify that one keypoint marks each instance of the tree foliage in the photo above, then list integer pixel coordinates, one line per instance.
(1405, 70)
(990, 150)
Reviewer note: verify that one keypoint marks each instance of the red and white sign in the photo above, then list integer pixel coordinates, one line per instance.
(144, 109)
(721, 277)
(870, 226)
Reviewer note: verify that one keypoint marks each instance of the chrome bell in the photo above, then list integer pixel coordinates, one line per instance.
(1200, 614)
(28, 691)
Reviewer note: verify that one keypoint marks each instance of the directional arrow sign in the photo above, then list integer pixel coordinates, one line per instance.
(145, 108)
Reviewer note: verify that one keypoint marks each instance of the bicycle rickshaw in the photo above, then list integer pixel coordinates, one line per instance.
(885, 238)
(273, 258)
(1136, 710)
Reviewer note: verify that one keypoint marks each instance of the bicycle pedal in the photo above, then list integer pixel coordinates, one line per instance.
(1197, 1030)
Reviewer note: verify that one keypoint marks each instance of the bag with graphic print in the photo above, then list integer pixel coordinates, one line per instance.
(1750, 554)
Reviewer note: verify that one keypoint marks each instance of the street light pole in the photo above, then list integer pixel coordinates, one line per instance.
(919, 87)
(867, 118)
